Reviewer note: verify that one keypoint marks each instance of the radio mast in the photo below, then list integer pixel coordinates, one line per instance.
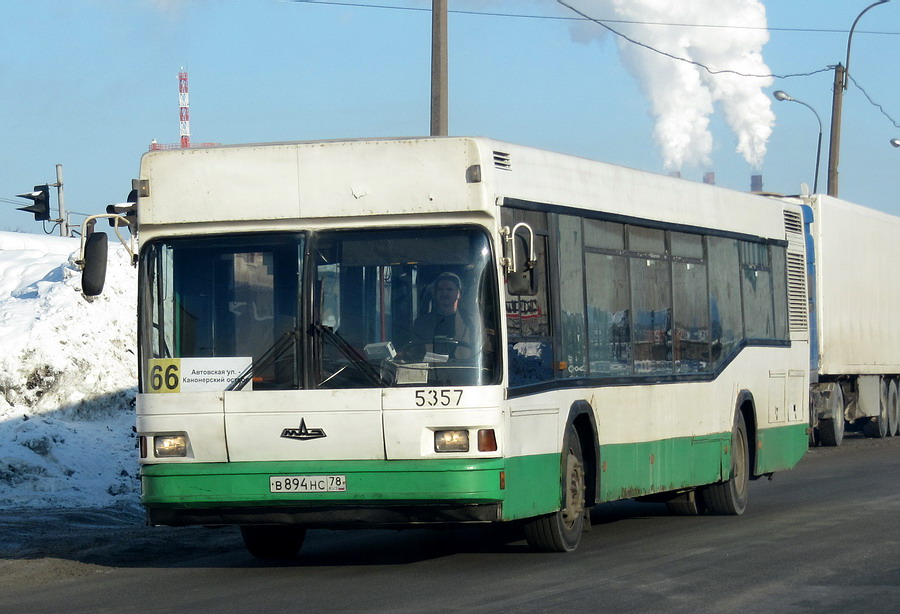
(184, 111)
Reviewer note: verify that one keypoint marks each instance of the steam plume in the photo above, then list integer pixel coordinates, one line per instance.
(684, 95)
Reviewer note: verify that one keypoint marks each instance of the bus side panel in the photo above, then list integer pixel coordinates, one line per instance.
(781, 447)
(532, 450)
(635, 469)
(533, 486)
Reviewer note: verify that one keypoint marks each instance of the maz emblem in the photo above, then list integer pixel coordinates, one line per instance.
(303, 433)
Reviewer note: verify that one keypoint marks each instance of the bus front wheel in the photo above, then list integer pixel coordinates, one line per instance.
(561, 531)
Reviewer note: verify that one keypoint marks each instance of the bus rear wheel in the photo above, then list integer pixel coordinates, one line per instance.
(561, 531)
(273, 541)
(729, 498)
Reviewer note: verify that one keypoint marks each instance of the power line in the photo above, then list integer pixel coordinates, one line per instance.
(734, 72)
(393, 7)
(711, 71)
(872, 102)
(603, 23)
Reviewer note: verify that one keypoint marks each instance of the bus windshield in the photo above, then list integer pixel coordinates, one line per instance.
(373, 308)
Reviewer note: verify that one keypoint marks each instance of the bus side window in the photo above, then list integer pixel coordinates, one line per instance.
(725, 317)
(528, 324)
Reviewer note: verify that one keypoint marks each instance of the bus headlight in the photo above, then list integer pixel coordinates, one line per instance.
(170, 446)
(451, 441)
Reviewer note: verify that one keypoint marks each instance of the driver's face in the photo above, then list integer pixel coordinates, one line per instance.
(447, 296)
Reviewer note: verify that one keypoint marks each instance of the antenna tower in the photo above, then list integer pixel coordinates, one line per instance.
(184, 119)
(184, 111)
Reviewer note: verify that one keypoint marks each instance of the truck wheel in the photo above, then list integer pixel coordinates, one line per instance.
(893, 408)
(878, 425)
(273, 541)
(831, 430)
(729, 498)
(561, 531)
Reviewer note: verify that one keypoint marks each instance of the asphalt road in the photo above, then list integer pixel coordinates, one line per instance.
(822, 537)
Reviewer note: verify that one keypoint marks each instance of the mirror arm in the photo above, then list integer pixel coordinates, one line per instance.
(509, 261)
(116, 219)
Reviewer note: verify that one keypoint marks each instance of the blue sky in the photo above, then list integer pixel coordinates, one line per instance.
(88, 84)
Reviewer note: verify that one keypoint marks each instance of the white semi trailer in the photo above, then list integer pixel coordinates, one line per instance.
(853, 253)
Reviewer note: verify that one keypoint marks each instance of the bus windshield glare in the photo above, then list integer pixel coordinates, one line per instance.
(373, 308)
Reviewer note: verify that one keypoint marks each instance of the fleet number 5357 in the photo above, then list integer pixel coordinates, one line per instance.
(438, 398)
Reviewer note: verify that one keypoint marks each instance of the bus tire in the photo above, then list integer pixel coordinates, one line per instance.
(273, 541)
(561, 530)
(729, 498)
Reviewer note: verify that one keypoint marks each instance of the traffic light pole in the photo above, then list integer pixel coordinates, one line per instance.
(63, 220)
(41, 199)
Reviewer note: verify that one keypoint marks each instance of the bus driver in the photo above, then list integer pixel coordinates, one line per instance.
(444, 330)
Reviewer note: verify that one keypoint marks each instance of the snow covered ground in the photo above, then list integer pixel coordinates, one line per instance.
(68, 378)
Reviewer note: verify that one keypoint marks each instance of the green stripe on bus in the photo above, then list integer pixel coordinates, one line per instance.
(635, 469)
(781, 447)
(531, 483)
(202, 484)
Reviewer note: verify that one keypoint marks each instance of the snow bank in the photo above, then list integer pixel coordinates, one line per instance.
(68, 378)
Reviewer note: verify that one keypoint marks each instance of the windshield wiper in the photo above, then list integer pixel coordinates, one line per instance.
(281, 345)
(351, 353)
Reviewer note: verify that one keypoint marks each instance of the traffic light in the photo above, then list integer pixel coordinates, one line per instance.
(127, 209)
(41, 206)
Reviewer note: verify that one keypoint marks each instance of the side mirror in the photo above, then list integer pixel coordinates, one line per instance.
(93, 274)
(519, 260)
(521, 283)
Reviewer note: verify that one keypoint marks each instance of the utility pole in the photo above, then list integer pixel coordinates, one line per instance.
(841, 75)
(834, 149)
(439, 98)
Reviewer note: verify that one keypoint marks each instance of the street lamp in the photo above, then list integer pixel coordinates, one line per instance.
(895, 142)
(783, 96)
(840, 84)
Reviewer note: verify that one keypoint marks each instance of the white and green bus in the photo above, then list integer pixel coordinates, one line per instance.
(421, 332)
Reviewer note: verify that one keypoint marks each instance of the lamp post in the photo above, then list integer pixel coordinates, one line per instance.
(783, 96)
(840, 84)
